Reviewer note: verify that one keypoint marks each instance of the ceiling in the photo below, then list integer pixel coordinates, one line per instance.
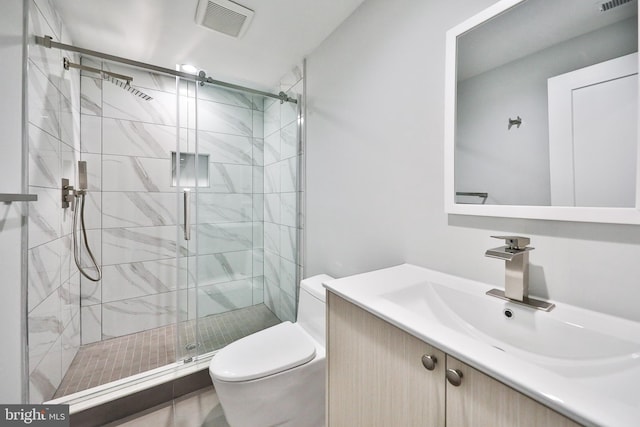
(164, 33)
(530, 27)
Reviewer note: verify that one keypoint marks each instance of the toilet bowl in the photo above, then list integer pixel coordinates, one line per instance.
(276, 377)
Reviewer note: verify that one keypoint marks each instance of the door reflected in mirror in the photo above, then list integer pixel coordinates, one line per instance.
(546, 106)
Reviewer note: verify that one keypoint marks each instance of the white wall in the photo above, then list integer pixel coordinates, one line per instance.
(11, 36)
(375, 170)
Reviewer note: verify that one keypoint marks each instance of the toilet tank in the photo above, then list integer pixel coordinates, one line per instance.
(312, 306)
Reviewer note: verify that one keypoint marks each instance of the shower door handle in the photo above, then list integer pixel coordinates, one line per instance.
(187, 214)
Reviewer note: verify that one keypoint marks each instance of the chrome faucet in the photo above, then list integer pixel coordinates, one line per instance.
(516, 279)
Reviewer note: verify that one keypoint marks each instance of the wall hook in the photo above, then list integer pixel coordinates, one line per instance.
(517, 122)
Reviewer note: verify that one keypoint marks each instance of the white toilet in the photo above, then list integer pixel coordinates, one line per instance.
(276, 377)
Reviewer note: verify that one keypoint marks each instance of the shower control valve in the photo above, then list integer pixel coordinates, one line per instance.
(68, 195)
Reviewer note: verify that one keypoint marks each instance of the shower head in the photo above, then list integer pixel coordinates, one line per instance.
(117, 79)
(126, 86)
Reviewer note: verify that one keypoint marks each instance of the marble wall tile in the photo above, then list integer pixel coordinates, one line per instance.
(68, 164)
(94, 240)
(288, 243)
(93, 210)
(91, 320)
(137, 279)
(217, 208)
(223, 297)
(69, 294)
(123, 173)
(135, 244)
(44, 216)
(258, 102)
(258, 207)
(272, 206)
(224, 148)
(258, 235)
(225, 267)
(227, 178)
(44, 158)
(44, 272)
(138, 209)
(288, 277)
(289, 175)
(69, 120)
(258, 151)
(91, 95)
(289, 141)
(271, 118)
(226, 237)
(118, 103)
(287, 307)
(272, 268)
(138, 314)
(45, 327)
(258, 290)
(90, 291)
(272, 237)
(43, 58)
(258, 179)
(258, 124)
(44, 102)
(91, 134)
(272, 296)
(288, 209)
(70, 342)
(47, 375)
(225, 96)
(272, 148)
(187, 112)
(258, 262)
(67, 265)
(49, 13)
(272, 178)
(138, 139)
(214, 117)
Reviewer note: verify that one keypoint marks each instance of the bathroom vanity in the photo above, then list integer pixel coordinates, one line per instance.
(409, 346)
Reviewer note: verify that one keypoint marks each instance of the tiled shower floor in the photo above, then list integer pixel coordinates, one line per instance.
(116, 358)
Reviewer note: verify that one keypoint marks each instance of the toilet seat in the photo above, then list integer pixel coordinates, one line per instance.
(275, 349)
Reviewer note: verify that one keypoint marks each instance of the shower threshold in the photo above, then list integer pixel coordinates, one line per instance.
(115, 361)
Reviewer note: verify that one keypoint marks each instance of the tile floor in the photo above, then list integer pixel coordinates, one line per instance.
(116, 358)
(198, 409)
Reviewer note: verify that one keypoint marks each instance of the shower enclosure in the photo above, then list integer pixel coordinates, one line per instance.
(192, 212)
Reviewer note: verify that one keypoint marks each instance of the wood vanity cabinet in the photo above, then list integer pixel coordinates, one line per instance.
(376, 377)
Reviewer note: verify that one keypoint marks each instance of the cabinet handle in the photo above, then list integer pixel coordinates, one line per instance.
(429, 362)
(454, 376)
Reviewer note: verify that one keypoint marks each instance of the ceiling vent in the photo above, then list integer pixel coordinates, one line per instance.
(611, 4)
(224, 16)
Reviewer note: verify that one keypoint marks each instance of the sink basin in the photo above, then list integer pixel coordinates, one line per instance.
(538, 336)
(583, 364)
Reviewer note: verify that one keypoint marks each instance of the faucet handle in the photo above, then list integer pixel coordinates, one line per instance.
(514, 242)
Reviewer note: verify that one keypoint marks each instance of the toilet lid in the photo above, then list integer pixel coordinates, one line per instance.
(276, 349)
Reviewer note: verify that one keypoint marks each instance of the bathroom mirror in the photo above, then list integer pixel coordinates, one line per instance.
(541, 112)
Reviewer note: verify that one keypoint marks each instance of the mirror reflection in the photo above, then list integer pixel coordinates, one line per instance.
(547, 106)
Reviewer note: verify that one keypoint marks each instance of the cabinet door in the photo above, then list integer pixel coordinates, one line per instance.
(482, 401)
(375, 372)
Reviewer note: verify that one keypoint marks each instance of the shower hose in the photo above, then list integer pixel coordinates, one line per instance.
(76, 244)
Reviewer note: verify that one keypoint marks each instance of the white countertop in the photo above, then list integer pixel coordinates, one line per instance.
(597, 391)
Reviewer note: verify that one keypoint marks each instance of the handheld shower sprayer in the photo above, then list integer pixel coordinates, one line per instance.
(75, 198)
